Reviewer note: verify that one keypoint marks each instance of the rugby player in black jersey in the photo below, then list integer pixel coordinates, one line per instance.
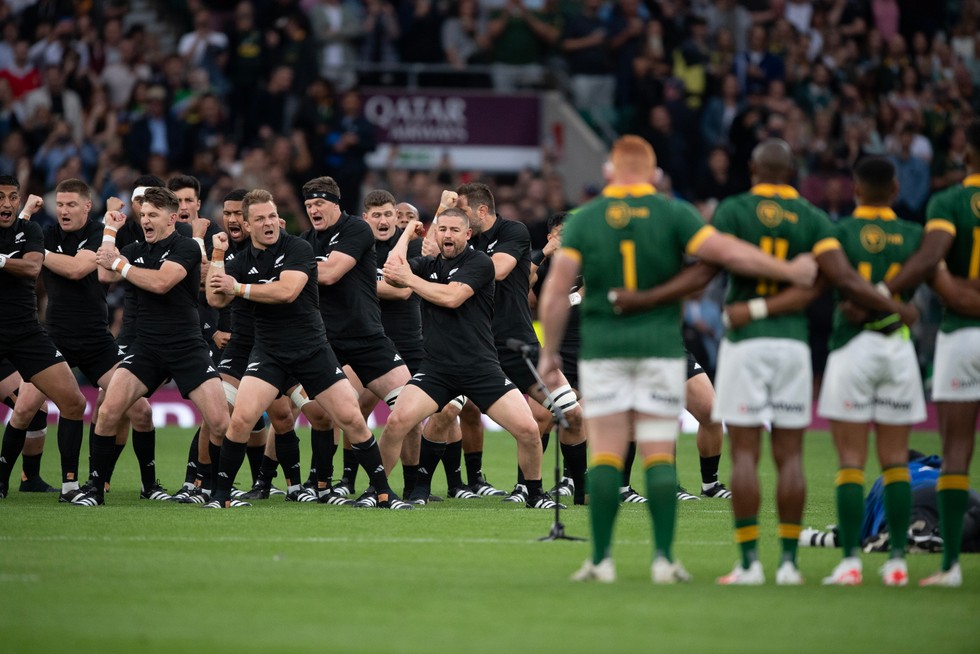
(26, 345)
(347, 278)
(77, 318)
(508, 244)
(277, 273)
(457, 292)
(165, 269)
(35, 432)
(402, 320)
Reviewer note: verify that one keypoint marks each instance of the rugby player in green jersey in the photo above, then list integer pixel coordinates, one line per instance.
(632, 367)
(873, 376)
(764, 372)
(952, 234)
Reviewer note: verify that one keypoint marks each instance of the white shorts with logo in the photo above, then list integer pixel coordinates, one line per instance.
(654, 386)
(874, 377)
(956, 368)
(764, 380)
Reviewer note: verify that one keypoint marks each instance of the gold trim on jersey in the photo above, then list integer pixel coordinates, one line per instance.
(699, 238)
(623, 190)
(941, 224)
(867, 212)
(972, 180)
(572, 253)
(784, 191)
(825, 245)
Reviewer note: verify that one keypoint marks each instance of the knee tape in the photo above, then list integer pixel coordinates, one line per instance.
(459, 402)
(299, 397)
(657, 430)
(564, 399)
(231, 393)
(36, 433)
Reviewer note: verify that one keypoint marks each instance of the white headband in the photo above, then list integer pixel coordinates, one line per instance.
(139, 191)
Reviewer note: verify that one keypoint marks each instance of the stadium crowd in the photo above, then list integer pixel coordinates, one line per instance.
(95, 117)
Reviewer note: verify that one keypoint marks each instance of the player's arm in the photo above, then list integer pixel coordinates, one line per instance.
(74, 267)
(282, 291)
(789, 300)
(333, 269)
(553, 306)
(935, 244)
(388, 292)
(503, 265)
(835, 266)
(690, 280)
(413, 230)
(217, 299)
(155, 281)
(956, 293)
(28, 265)
(399, 274)
(746, 259)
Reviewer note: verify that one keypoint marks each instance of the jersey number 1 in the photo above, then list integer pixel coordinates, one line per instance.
(628, 251)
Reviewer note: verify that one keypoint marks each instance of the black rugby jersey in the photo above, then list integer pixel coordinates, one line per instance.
(459, 338)
(132, 232)
(169, 318)
(349, 307)
(282, 328)
(77, 308)
(511, 312)
(17, 296)
(402, 319)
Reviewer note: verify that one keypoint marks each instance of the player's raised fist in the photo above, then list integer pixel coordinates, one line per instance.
(114, 204)
(220, 241)
(32, 206)
(448, 199)
(199, 227)
(115, 219)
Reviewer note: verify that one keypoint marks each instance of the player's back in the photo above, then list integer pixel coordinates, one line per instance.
(774, 218)
(631, 237)
(957, 210)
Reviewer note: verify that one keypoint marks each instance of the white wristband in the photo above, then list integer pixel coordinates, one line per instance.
(108, 239)
(125, 270)
(23, 215)
(116, 262)
(200, 244)
(758, 308)
(882, 288)
(726, 322)
(3, 260)
(217, 264)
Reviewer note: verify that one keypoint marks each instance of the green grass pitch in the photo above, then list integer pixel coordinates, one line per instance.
(451, 577)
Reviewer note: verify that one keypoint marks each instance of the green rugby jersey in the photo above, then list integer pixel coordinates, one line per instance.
(778, 221)
(957, 210)
(631, 237)
(877, 244)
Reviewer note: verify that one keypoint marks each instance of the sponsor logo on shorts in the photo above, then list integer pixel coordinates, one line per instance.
(252, 367)
(418, 376)
(788, 407)
(672, 400)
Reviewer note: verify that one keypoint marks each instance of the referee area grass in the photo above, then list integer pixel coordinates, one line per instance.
(463, 575)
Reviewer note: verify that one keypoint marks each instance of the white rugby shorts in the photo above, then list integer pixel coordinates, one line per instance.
(874, 377)
(653, 386)
(956, 367)
(764, 380)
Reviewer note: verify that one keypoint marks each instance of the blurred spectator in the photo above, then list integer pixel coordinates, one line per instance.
(335, 26)
(121, 76)
(8, 117)
(720, 112)
(249, 60)
(464, 35)
(520, 41)
(21, 74)
(715, 181)
(672, 148)
(272, 108)
(379, 44)
(203, 43)
(346, 146)
(627, 35)
(949, 167)
(583, 44)
(913, 178)
(732, 17)
(58, 100)
(156, 133)
(757, 67)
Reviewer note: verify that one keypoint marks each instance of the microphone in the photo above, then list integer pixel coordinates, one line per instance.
(519, 346)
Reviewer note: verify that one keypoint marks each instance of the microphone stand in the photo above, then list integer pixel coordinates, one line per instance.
(557, 529)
